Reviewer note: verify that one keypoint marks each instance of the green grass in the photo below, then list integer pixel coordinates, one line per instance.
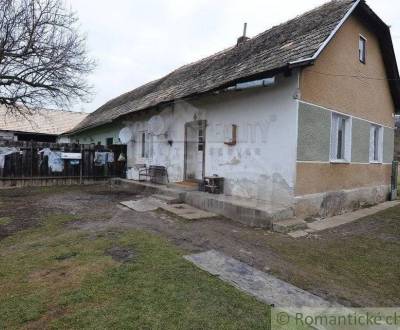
(358, 263)
(5, 221)
(54, 277)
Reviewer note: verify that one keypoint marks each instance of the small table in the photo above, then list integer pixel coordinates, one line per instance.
(214, 184)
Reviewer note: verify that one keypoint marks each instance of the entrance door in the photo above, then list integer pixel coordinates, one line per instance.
(195, 134)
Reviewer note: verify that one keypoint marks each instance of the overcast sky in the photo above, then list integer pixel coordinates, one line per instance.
(135, 41)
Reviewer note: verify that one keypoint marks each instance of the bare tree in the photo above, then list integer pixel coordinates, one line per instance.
(43, 58)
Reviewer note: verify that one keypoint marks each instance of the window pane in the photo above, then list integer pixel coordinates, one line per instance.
(201, 140)
(341, 138)
(362, 49)
(376, 143)
(143, 145)
(109, 141)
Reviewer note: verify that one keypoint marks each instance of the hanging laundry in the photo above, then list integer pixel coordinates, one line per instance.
(56, 163)
(5, 151)
(74, 162)
(100, 158)
(45, 152)
(110, 157)
(121, 157)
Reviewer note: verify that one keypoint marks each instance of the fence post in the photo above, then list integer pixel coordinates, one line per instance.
(31, 158)
(81, 167)
(393, 190)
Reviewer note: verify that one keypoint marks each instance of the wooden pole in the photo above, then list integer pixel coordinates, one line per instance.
(81, 167)
(31, 158)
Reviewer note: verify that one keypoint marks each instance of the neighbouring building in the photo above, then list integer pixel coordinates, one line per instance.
(105, 135)
(301, 115)
(39, 126)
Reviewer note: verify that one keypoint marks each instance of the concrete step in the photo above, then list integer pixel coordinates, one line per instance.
(249, 212)
(183, 186)
(167, 199)
(175, 193)
(289, 225)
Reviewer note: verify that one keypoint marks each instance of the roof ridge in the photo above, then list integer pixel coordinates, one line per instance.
(221, 52)
(302, 15)
(302, 35)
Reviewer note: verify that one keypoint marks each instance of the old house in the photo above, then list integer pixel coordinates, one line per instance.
(300, 116)
(40, 126)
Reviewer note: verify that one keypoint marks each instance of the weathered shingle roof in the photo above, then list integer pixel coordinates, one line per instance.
(52, 122)
(297, 39)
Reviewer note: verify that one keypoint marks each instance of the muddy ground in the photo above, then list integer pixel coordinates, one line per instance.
(97, 209)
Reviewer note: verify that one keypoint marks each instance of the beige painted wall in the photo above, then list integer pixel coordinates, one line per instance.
(315, 178)
(365, 98)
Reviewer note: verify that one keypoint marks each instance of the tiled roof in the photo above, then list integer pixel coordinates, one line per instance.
(295, 40)
(53, 122)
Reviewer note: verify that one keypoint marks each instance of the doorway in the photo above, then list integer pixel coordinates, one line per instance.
(195, 145)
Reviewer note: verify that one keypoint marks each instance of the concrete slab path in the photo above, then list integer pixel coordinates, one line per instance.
(263, 286)
(348, 217)
(153, 203)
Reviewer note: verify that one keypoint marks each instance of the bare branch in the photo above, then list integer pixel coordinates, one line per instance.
(43, 58)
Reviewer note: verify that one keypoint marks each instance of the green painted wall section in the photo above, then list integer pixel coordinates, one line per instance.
(388, 145)
(360, 141)
(313, 133)
(99, 134)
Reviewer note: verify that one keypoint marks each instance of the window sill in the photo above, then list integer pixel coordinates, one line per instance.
(339, 161)
(375, 162)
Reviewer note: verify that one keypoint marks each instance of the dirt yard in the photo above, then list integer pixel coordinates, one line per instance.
(355, 265)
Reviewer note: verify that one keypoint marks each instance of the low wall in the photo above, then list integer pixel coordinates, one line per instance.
(6, 183)
(329, 204)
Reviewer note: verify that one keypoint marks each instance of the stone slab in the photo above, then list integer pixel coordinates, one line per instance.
(141, 205)
(186, 211)
(166, 199)
(263, 286)
(340, 220)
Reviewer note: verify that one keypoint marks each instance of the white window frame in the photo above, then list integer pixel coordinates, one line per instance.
(362, 53)
(346, 145)
(146, 145)
(373, 144)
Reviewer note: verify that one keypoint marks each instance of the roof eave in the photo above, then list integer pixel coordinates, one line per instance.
(28, 132)
(79, 130)
(310, 60)
(259, 75)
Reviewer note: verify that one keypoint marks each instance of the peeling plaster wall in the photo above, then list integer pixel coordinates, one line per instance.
(263, 162)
